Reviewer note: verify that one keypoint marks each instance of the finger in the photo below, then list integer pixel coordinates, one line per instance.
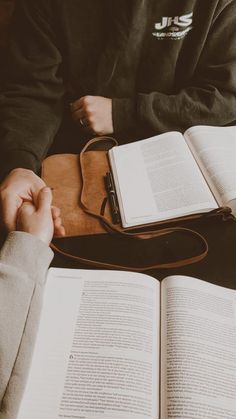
(44, 199)
(59, 232)
(77, 105)
(59, 229)
(9, 208)
(35, 189)
(84, 121)
(78, 115)
(57, 222)
(26, 210)
(56, 212)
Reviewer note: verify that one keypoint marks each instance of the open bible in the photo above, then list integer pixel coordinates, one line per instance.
(122, 345)
(173, 175)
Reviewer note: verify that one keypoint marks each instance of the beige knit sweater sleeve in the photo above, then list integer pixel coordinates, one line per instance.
(24, 261)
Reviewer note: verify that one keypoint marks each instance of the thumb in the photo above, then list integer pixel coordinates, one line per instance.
(9, 207)
(44, 199)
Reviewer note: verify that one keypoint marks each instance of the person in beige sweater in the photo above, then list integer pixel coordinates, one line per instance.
(24, 260)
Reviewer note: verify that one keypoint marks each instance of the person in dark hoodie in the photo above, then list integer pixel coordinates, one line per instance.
(76, 69)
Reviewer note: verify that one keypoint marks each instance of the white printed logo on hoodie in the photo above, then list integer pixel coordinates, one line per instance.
(174, 28)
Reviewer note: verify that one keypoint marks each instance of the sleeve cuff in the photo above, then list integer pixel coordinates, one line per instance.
(27, 253)
(17, 159)
(123, 114)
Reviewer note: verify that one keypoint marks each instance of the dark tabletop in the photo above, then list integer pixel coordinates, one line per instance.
(218, 267)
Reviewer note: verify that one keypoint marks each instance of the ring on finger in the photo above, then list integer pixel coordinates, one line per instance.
(81, 122)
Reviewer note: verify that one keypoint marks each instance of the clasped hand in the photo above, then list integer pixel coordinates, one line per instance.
(26, 205)
(94, 113)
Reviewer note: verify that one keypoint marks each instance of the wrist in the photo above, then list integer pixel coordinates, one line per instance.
(21, 170)
(27, 253)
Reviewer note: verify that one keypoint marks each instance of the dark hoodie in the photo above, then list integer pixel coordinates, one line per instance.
(166, 64)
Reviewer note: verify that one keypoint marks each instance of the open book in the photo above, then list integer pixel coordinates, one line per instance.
(121, 345)
(172, 175)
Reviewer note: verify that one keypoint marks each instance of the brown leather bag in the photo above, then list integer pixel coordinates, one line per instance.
(79, 190)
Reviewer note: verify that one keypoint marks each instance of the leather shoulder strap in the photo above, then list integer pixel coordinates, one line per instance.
(137, 268)
(105, 143)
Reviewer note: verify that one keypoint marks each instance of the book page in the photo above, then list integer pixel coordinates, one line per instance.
(198, 350)
(215, 151)
(97, 349)
(158, 179)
